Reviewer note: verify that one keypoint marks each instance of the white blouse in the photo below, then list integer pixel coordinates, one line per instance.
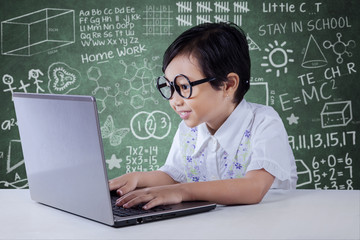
(253, 137)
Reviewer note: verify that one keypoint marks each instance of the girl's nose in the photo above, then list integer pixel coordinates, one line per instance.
(176, 99)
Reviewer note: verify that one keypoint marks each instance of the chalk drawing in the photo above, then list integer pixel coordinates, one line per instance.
(241, 7)
(62, 78)
(115, 136)
(158, 20)
(53, 28)
(313, 57)
(8, 80)
(340, 48)
(114, 162)
(293, 119)
(11, 162)
(203, 7)
(156, 124)
(259, 93)
(303, 172)
(278, 57)
(252, 44)
(336, 114)
(184, 7)
(35, 74)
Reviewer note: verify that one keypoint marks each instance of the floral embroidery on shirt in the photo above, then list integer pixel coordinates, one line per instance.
(195, 170)
(195, 167)
(237, 167)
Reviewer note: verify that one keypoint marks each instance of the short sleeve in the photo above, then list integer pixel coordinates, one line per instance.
(173, 166)
(271, 151)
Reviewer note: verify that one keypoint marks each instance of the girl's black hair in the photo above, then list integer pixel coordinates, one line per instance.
(220, 48)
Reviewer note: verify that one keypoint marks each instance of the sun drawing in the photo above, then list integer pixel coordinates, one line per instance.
(278, 57)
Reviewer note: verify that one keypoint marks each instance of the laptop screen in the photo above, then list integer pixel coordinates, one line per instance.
(63, 153)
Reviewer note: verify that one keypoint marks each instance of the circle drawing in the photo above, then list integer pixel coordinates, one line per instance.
(146, 125)
(277, 58)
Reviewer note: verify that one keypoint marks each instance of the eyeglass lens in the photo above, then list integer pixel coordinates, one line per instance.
(181, 85)
(165, 88)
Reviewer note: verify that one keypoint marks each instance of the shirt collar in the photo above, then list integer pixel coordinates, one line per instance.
(231, 132)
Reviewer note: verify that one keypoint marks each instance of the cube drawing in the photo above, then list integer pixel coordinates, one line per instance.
(336, 114)
(37, 32)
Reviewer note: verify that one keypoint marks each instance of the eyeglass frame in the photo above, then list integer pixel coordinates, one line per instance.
(176, 88)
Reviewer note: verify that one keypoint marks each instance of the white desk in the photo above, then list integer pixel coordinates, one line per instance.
(296, 214)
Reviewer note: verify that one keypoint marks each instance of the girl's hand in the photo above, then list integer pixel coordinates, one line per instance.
(153, 196)
(125, 183)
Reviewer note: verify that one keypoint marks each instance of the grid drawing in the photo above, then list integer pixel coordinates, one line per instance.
(158, 20)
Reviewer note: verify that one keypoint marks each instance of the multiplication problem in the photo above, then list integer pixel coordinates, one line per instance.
(328, 171)
(323, 140)
(141, 158)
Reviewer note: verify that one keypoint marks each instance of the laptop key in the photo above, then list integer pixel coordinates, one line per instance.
(137, 210)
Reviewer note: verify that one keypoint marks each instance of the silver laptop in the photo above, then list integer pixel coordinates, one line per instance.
(65, 165)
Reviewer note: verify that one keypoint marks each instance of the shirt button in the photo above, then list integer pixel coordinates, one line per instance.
(214, 143)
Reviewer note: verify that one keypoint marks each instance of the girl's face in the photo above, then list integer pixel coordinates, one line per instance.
(206, 104)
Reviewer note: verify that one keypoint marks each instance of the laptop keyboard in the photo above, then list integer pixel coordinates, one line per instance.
(133, 211)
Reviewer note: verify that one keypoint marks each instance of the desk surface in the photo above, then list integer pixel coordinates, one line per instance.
(298, 214)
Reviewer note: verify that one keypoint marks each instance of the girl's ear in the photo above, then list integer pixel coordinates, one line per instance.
(232, 84)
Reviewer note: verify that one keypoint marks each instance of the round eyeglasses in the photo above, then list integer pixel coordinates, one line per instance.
(181, 85)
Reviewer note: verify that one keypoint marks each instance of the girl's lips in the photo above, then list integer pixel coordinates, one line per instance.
(184, 114)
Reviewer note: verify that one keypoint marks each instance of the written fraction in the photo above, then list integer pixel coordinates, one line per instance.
(158, 20)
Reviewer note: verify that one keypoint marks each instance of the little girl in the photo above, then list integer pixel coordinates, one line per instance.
(226, 150)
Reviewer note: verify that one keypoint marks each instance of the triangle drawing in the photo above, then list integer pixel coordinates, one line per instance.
(252, 44)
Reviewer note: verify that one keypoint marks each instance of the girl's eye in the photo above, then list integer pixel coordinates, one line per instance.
(185, 87)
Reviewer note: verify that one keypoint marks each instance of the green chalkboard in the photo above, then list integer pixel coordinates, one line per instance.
(305, 64)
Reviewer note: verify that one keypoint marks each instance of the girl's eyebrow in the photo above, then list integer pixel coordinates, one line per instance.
(170, 80)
